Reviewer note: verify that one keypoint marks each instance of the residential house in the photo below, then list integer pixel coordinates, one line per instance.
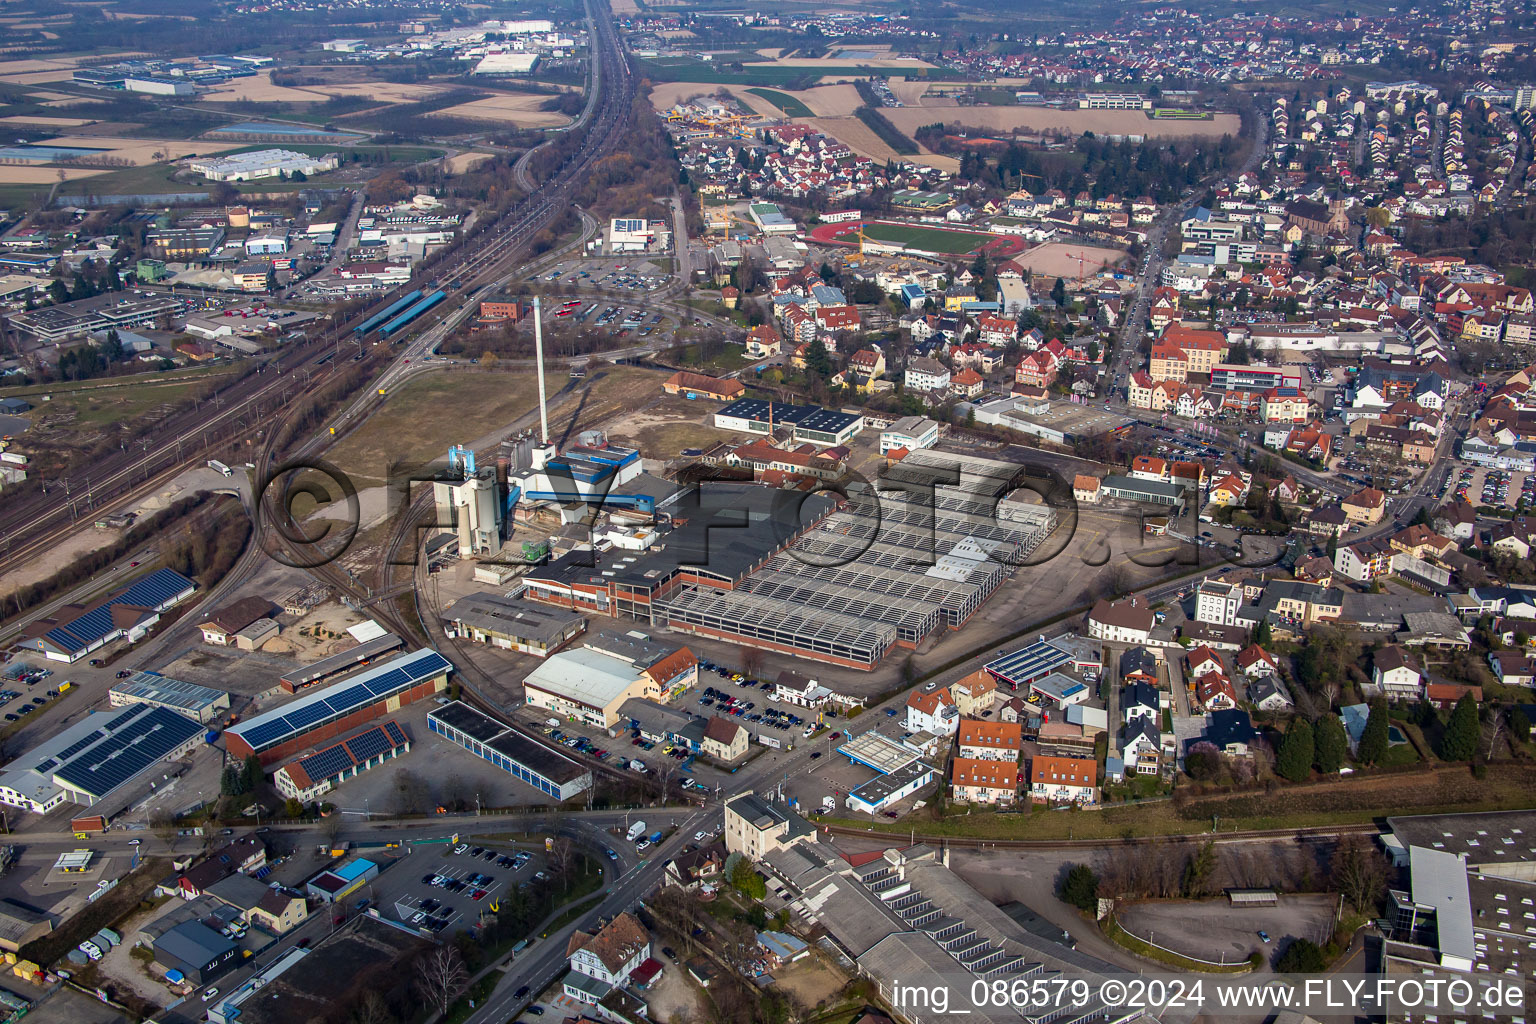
(983, 740)
(1396, 674)
(933, 712)
(1126, 621)
(985, 781)
(724, 740)
(1365, 506)
(603, 962)
(1055, 779)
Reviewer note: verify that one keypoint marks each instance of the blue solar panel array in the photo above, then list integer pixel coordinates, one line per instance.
(1027, 664)
(333, 760)
(344, 697)
(153, 591)
(136, 742)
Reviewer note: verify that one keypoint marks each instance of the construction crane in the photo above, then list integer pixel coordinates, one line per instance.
(1080, 258)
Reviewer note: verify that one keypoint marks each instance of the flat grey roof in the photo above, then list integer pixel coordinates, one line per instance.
(1440, 881)
(173, 693)
(510, 617)
(1491, 837)
(346, 659)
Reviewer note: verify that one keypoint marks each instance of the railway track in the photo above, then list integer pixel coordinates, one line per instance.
(243, 410)
(973, 843)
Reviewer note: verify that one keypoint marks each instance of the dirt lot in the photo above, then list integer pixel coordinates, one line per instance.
(1102, 122)
(663, 430)
(521, 109)
(410, 426)
(466, 162)
(320, 634)
(810, 979)
(674, 995)
(1059, 259)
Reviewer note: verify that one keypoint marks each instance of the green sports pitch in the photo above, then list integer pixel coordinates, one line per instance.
(912, 236)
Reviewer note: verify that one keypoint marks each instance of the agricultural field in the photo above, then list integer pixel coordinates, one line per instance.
(1075, 122)
(791, 106)
(520, 109)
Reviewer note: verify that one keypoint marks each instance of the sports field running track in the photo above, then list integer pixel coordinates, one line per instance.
(945, 243)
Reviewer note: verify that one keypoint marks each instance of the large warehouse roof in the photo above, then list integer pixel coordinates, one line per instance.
(535, 756)
(154, 688)
(153, 591)
(341, 698)
(584, 676)
(95, 756)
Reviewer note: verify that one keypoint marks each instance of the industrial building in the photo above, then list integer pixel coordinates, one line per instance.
(311, 777)
(89, 316)
(629, 234)
(811, 423)
(541, 767)
(129, 613)
(197, 951)
(263, 163)
(336, 884)
(513, 625)
(593, 470)
(202, 704)
(96, 757)
(340, 707)
(20, 924)
(1023, 668)
(513, 63)
(469, 502)
(316, 672)
(899, 771)
(592, 682)
(784, 572)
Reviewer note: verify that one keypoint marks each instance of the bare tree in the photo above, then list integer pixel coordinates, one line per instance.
(1357, 871)
(664, 771)
(441, 976)
(372, 1009)
(751, 660)
(330, 827)
(561, 858)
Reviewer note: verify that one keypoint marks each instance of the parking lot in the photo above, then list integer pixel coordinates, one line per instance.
(1496, 487)
(435, 893)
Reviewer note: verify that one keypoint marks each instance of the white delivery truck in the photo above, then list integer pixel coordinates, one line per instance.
(636, 831)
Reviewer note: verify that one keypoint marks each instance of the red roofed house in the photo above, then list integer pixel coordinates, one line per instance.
(981, 781)
(1214, 692)
(1064, 780)
(967, 383)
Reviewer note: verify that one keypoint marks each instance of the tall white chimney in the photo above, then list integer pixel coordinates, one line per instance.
(538, 357)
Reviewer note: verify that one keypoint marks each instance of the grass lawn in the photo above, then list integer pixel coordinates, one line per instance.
(785, 102)
(912, 236)
(422, 417)
(86, 407)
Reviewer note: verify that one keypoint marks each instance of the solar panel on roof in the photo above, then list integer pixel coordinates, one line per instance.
(369, 744)
(327, 763)
(124, 753)
(349, 698)
(265, 732)
(298, 718)
(388, 681)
